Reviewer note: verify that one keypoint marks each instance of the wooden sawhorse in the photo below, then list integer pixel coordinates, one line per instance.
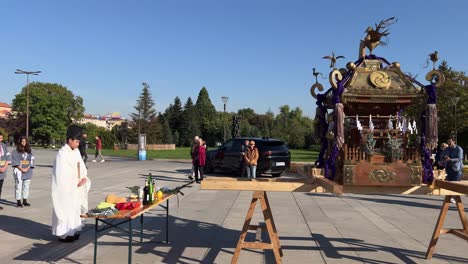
(269, 226)
(463, 233)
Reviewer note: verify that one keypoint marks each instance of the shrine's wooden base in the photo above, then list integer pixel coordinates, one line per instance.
(269, 226)
(463, 233)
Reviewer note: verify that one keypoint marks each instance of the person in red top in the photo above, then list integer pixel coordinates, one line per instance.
(98, 149)
(199, 159)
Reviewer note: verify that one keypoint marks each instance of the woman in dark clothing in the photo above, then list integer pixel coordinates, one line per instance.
(22, 161)
(199, 160)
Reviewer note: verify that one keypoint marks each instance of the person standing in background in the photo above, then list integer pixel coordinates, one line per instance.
(98, 150)
(22, 160)
(453, 156)
(5, 159)
(83, 146)
(439, 157)
(243, 165)
(192, 152)
(251, 158)
(199, 160)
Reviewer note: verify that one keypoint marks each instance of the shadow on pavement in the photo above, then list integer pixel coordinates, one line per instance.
(187, 234)
(401, 202)
(358, 245)
(5, 202)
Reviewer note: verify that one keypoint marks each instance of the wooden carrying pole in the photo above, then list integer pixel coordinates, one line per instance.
(269, 226)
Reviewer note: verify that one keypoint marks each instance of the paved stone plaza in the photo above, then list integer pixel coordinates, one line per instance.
(205, 225)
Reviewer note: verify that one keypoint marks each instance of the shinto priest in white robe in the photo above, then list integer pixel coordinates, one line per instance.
(68, 200)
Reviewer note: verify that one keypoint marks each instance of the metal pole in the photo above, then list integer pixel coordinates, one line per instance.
(224, 122)
(139, 128)
(167, 221)
(27, 107)
(96, 225)
(456, 132)
(225, 99)
(130, 239)
(18, 71)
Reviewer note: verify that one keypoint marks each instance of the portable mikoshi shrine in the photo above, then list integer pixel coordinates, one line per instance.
(370, 144)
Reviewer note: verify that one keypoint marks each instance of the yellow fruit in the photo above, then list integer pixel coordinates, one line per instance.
(159, 195)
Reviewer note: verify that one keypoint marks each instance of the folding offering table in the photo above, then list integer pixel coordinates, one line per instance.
(127, 216)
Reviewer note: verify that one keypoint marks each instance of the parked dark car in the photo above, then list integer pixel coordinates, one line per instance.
(274, 156)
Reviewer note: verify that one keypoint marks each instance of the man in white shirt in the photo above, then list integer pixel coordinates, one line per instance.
(70, 186)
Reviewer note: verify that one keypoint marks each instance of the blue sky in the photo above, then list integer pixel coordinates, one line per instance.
(259, 53)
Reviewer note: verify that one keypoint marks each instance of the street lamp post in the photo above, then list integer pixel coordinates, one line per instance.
(18, 71)
(455, 102)
(225, 99)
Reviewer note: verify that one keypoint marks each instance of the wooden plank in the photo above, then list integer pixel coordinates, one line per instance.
(329, 186)
(242, 184)
(271, 228)
(245, 228)
(460, 233)
(257, 245)
(459, 187)
(321, 184)
(438, 228)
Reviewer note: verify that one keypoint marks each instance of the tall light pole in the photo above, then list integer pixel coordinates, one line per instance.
(18, 71)
(225, 99)
(455, 102)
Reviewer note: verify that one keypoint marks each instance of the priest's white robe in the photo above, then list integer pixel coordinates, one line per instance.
(68, 200)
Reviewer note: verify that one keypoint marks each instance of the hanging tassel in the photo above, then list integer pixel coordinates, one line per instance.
(339, 124)
(404, 125)
(431, 126)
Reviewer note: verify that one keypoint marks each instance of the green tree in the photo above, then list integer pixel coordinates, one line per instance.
(174, 116)
(145, 110)
(189, 124)
(52, 108)
(456, 85)
(155, 133)
(206, 117)
(292, 127)
(166, 131)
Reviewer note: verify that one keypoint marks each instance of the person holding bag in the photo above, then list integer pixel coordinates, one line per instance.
(22, 161)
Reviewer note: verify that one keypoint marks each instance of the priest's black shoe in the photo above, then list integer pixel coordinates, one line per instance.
(68, 239)
(25, 202)
(77, 236)
(19, 204)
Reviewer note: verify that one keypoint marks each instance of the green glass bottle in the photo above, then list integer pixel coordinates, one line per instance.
(151, 190)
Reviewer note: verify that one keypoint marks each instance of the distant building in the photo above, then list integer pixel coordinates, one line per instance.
(5, 109)
(106, 121)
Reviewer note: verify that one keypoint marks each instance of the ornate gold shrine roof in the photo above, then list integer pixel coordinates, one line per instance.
(371, 83)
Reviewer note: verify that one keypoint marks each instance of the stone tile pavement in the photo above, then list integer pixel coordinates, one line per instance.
(205, 225)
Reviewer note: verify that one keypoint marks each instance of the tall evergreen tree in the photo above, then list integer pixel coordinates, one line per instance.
(166, 130)
(206, 117)
(145, 110)
(174, 117)
(189, 124)
(155, 132)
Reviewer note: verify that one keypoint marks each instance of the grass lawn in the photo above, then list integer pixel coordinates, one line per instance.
(184, 153)
(178, 153)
